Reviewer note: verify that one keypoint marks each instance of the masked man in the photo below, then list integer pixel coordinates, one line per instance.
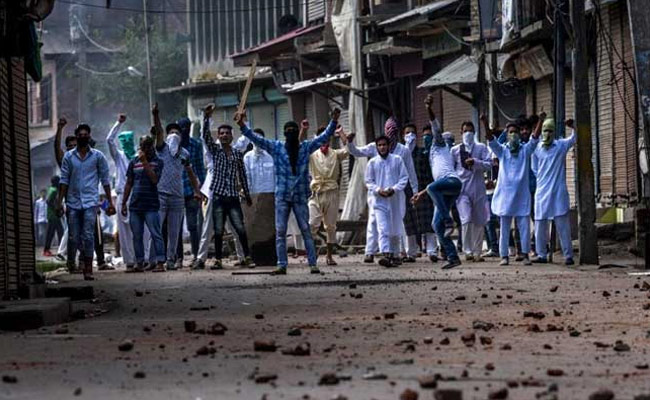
(424, 208)
(291, 160)
(325, 168)
(386, 178)
(392, 133)
(552, 196)
(82, 170)
(170, 183)
(471, 160)
(512, 196)
(122, 159)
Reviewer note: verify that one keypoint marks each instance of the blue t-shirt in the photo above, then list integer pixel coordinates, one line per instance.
(144, 193)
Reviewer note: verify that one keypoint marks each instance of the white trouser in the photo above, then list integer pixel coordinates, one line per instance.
(563, 227)
(63, 246)
(125, 234)
(410, 245)
(432, 244)
(207, 235)
(523, 224)
(472, 239)
(388, 243)
(372, 245)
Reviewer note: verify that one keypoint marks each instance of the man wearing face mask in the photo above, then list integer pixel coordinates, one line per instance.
(122, 159)
(445, 188)
(325, 168)
(82, 170)
(170, 184)
(259, 169)
(291, 161)
(552, 196)
(386, 178)
(471, 160)
(392, 133)
(425, 208)
(193, 215)
(512, 195)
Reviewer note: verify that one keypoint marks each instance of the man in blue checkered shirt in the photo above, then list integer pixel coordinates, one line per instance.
(291, 160)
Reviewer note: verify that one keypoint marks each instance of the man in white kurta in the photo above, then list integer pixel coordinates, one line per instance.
(386, 178)
(512, 195)
(471, 160)
(370, 150)
(122, 158)
(552, 196)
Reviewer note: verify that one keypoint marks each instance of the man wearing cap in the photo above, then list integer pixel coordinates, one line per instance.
(552, 196)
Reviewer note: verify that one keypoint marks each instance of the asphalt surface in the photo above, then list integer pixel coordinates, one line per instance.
(543, 332)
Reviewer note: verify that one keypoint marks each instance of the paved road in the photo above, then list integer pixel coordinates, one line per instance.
(358, 320)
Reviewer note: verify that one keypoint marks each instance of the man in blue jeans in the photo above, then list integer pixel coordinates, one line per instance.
(82, 170)
(291, 161)
(444, 190)
(142, 177)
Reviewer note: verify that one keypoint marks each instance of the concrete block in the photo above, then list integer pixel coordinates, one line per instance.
(21, 315)
(259, 220)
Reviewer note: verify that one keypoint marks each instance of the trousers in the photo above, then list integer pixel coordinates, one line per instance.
(324, 207)
(301, 212)
(523, 225)
(125, 233)
(563, 226)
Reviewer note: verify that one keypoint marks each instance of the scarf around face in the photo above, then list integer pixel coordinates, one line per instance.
(186, 126)
(547, 138)
(514, 143)
(391, 131)
(292, 144)
(127, 143)
(428, 142)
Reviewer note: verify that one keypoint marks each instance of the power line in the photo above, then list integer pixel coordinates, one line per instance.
(140, 10)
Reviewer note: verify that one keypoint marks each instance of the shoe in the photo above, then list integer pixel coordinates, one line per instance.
(520, 257)
(217, 265)
(469, 257)
(452, 263)
(540, 260)
(491, 254)
(138, 268)
(60, 257)
(386, 262)
(279, 271)
(160, 267)
(314, 270)
(369, 259)
(198, 264)
(47, 253)
(569, 261)
(408, 259)
(527, 260)
(478, 258)
(505, 261)
(433, 258)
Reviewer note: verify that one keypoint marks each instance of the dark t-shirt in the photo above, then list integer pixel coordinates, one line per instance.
(144, 193)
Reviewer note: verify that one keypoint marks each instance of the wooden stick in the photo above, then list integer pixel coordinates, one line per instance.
(247, 88)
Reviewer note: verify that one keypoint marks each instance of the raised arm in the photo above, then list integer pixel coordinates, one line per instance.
(210, 145)
(569, 141)
(503, 137)
(304, 127)
(435, 124)
(369, 150)
(261, 142)
(321, 139)
(111, 139)
(58, 152)
(160, 137)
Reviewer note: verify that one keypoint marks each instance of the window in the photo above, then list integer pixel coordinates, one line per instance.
(40, 101)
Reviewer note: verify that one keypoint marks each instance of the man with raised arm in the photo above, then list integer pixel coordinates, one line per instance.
(291, 161)
(512, 196)
(444, 190)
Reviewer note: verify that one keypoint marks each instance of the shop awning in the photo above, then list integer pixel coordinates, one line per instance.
(463, 70)
(392, 46)
(312, 83)
(417, 15)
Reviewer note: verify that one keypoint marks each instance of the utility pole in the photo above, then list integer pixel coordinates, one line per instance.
(560, 61)
(587, 237)
(146, 40)
(639, 13)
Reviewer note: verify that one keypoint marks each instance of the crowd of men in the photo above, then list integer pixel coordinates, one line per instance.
(421, 186)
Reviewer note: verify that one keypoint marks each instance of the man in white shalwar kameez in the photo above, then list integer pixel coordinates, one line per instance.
(552, 196)
(512, 196)
(386, 178)
(471, 160)
(370, 150)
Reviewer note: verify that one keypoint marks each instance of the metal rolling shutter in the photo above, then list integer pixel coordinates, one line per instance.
(315, 11)
(454, 111)
(571, 155)
(282, 115)
(630, 173)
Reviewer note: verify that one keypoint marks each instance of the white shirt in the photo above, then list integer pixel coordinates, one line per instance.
(40, 211)
(440, 158)
(260, 171)
(404, 152)
(121, 162)
(388, 173)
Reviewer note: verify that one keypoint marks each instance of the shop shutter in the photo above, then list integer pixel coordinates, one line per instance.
(310, 114)
(630, 173)
(282, 115)
(571, 155)
(606, 115)
(315, 11)
(455, 111)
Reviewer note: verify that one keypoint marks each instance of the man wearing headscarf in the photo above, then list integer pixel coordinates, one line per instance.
(392, 133)
(512, 196)
(121, 158)
(170, 184)
(193, 215)
(471, 160)
(291, 162)
(552, 196)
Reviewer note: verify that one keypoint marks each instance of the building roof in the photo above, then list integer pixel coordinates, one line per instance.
(218, 81)
(311, 83)
(463, 70)
(416, 15)
(280, 40)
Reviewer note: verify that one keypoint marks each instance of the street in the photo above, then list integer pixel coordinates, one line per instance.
(357, 332)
